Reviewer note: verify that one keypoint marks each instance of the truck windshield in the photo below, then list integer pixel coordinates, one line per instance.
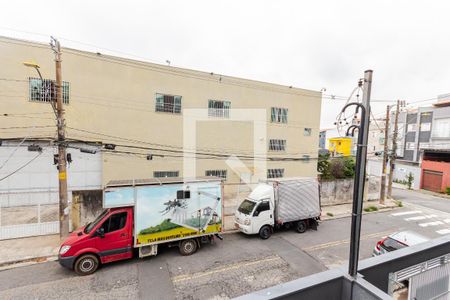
(92, 225)
(246, 207)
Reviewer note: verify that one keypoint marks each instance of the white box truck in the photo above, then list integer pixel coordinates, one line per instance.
(280, 203)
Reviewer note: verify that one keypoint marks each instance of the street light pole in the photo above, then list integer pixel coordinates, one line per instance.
(62, 174)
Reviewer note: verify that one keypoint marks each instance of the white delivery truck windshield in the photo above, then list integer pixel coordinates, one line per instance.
(247, 207)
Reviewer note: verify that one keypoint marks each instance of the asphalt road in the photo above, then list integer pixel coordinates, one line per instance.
(237, 265)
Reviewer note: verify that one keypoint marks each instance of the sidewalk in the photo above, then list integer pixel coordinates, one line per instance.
(345, 210)
(30, 249)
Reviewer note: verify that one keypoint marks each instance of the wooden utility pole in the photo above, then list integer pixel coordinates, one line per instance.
(385, 157)
(393, 155)
(62, 174)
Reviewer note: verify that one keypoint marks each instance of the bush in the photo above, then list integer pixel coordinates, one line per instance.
(399, 203)
(330, 214)
(447, 190)
(336, 167)
(409, 180)
(370, 209)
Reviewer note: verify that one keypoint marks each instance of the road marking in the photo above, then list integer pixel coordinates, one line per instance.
(342, 242)
(431, 224)
(224, 269)
(420, 218)
(447, 220)
(407, 213)
(443, 231)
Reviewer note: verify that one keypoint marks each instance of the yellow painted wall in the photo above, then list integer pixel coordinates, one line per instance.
(340, 146)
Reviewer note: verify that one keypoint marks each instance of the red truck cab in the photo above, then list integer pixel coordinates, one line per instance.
(109, 238)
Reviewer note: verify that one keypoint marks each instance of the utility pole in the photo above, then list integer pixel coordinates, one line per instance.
(360, 173)
(62, 174)
(385, 157)
(394, 151)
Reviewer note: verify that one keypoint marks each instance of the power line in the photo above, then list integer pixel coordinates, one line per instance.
(20, 168)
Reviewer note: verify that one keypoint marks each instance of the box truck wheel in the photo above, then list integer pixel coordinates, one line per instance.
(265, 232)
(188, 247)
(301, 226)
(86, 264)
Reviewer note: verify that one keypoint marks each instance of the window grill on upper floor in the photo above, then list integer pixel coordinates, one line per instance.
(45, 91)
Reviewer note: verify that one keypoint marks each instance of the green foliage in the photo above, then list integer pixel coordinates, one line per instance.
(409, 180)
(165, 225)
(399, 203)
(330, 214)
(371, 208)
(336, 167)
(447, 190)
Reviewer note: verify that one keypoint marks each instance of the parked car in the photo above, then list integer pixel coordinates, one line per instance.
(397, 241)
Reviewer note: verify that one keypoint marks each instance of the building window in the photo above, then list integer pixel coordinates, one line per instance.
(275, 173)
(425, 127)
(307, 131)
(162, 174)
(441, 128)
(412, 127)
(381, 140)
(279, 115)
(410, 146)
(217, 173)
(168, 103)
(45, 91)
(220, 109)
(277, 145)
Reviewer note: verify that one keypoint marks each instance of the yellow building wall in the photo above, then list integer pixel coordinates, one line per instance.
(112, 100)
(340, 146)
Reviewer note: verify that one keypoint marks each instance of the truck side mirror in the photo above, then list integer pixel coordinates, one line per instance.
(256, 213)
(100, 232)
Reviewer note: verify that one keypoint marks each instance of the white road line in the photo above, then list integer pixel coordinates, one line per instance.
(406, 213)
(443, 231)
(431, 224)
(420, 218)
(447, 220)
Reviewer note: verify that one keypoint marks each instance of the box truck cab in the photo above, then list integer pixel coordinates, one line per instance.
(284, 203)
(142, 214)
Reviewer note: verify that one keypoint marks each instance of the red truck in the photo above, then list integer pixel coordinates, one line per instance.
(142, 214)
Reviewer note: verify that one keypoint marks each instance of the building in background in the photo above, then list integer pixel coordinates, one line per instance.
(340, 146)
(375, 142)
(134, 113)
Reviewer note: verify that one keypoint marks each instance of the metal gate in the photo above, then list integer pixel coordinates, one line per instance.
(432, 180)
(24, 214)
(428, 280)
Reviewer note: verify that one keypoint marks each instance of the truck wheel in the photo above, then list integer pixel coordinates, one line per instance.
(188, 247)
(301, 226)
(265, 232)
(86, 264)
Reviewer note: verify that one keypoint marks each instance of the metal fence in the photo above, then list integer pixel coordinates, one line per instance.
(24, 214)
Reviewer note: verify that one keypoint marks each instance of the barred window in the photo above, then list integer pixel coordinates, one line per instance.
(168, 103)
(277, 145)
(45, 91)
(307, 131)
(275, 173)
(220, 109)
(217, 173)
(279, 115)
(162, 174)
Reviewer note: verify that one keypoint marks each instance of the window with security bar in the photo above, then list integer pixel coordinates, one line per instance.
(219, 109)
(277, 145)
(279, 115)
(45, 91)
(164, 174)
(217, 173)
(275, 173)
(168, 103)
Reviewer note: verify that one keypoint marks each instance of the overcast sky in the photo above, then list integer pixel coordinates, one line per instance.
(307, 44)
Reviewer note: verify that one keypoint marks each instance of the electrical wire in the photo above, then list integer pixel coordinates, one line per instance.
(20, 168)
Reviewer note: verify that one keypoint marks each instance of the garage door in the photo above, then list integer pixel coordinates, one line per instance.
(432, 180)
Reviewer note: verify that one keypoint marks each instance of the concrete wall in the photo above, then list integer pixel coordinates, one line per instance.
(401, 171)
(340, 191)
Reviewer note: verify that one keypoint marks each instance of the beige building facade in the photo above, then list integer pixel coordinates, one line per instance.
(141, 109)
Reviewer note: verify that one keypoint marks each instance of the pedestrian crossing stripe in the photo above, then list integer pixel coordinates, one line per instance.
(407, 213)
(420, 218)
(436, 223)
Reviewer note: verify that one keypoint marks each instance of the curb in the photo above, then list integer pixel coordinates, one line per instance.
(26, 262)
(364, 213)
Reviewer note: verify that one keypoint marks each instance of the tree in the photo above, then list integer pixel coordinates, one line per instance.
(323, 166)
(409, 180)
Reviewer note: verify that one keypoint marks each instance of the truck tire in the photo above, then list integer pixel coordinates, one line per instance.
(188, 247)
(265, 232)
(86, 264)
(300, 227)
